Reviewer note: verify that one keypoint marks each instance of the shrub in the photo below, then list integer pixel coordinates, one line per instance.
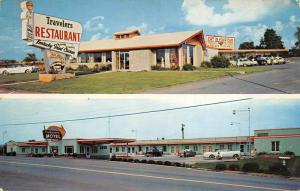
(262, 153)
(124, 159)
(250, 167)
(221, 166)
(151, 162)
(206, 64)
(159, 162)
(220, 62)
(136, 160)
(188, 67)
(177, 164)
(113, 159)
(279, 169)
(167, 163)
(289, 153)
(143, 161)
(234, 167)
(175, 67)
(83, 68)
(155, 67)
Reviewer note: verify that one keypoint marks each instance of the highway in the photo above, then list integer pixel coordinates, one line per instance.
(47, 174)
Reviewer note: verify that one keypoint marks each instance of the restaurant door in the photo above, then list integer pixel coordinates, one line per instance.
(123, 60)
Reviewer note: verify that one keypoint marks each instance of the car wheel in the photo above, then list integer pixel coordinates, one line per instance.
(236, 157)
(211, 156)
(27, 71)
(5, 72)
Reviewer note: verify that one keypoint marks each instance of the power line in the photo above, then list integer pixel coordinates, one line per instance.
(123, 115)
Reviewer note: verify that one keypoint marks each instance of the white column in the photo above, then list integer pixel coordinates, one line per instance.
(113, 64)
(167, 58)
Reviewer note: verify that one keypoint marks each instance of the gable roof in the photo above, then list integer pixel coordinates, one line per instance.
(140, 42)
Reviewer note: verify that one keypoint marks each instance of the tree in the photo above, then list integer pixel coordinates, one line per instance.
(297, 36)
(30, 57)
(271, 40)
(247, 46)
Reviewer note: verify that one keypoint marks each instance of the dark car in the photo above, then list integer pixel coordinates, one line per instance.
(154, 153)
(187, 154)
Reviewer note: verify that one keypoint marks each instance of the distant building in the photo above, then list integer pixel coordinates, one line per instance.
(265, 140)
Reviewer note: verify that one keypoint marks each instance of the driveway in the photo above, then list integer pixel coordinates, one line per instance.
(283, 79)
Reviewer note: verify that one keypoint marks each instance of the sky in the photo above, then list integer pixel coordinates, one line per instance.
(206, 121)
(246, 20)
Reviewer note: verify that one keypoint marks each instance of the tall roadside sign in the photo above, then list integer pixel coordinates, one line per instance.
(58, 38)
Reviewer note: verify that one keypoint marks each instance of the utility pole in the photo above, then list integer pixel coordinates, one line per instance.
(249, 127)
(182, 130)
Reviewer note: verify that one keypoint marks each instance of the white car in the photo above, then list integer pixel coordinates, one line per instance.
(222, 154)
(17, 68)
(246, 62)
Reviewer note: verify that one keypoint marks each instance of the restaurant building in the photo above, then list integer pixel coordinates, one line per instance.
(131, 51)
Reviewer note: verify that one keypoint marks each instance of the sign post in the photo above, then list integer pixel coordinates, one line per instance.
(58, 38)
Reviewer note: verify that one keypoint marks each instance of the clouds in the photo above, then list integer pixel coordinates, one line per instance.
(96, 27)
(198, 12)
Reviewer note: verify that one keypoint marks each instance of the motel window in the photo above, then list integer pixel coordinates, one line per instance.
(172, 149)
(147, 149)
(103, 147)
(241, 148)
(140, 148)
(222, 147)
(69, 149)
(128, 150)
(262, 134)
(98, 57)
(81, 148)
(23, 150)
(84, 58)
(160, 57)
(108, 57)
(203, 148)
(186, 147)
(275, 146)
(110, 150)
(195, 147)
(94, 149)
(210, 148)
(164, 148)
(123, 149)
(117, 149)
(43, 149)
(132, 149)
(36, 150)
(229, 147)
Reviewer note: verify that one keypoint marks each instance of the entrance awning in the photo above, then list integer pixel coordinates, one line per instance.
(105, 141)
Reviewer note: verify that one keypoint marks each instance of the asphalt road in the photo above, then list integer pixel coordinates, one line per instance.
(283, 79)
(35, 174)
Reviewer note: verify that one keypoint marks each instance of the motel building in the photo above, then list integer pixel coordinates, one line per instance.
(265, 140)
(132, 51)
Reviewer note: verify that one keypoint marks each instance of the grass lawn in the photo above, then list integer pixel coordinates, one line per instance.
(130, 82)
(12, 78)
(264, 163)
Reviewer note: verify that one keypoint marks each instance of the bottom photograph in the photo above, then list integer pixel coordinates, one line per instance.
(149, 142)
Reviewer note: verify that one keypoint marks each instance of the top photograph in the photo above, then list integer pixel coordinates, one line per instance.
(150, 47)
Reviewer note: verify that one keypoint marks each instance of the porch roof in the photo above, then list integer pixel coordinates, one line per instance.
(141, 42)
(105, 140)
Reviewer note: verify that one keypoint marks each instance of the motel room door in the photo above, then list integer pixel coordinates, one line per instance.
(123, 60)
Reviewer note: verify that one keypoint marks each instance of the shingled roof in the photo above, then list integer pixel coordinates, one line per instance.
(140, 42)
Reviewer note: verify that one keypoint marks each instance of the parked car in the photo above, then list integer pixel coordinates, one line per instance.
(246, 62)
(264, 61)
(220, 154)
(17, 68)
(278, 60)
(187, 153)
(154, 153)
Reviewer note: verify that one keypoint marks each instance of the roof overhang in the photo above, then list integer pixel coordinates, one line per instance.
(253, 51)
(105, 141)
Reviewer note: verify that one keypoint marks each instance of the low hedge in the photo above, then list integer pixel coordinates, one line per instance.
(143, 161)
(234, 167)
(221, 166)
(151, 162)
(167, 163)
(250, 167)
(279, 169)
(177, 164)
(188, 67)
(136, 160)
(159, 162)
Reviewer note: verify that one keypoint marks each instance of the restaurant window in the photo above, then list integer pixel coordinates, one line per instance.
(94, 149)
(117, 149)
(160, 57)
(84, 58)
(188, 56)
(98, 57)
(81, 149)
(164, 148)
(69, 149)
(173, 56)
(108, 57)
(275, 146)
(23, 150)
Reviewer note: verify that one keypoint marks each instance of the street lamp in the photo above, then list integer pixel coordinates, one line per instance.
(234, 112)
(4, 132)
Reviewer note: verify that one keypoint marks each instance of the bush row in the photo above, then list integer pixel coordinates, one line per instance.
(166, 163)
(286, 153)
(276, 168)
(84, 69)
